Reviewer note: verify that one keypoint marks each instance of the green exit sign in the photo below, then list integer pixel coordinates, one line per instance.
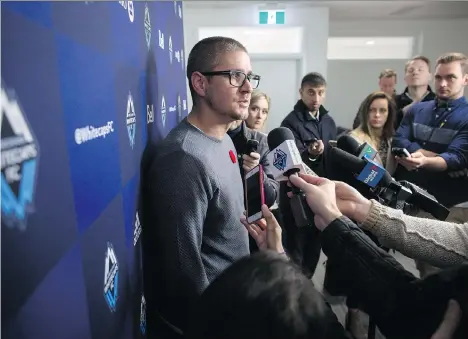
(274, 17)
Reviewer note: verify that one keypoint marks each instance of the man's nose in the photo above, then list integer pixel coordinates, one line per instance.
(247, 86)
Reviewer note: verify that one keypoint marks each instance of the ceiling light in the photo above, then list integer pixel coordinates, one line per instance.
(370, 42)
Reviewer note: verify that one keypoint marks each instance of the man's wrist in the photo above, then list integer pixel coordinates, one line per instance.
(331, 216)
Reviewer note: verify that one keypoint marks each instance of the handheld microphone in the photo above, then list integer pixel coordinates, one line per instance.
(284, 154)
(287, 161)
(269, 193)
(390, 192)
(349, 144)
(251, 146)
(366, 170)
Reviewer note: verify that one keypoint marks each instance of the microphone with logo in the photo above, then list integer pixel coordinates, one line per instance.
(287, 161)
(400, 195)
(350, 145)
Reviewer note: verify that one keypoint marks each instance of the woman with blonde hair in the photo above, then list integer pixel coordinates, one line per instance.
(258, 110)
(377, 115)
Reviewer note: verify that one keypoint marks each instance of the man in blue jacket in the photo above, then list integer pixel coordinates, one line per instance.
(436, 135)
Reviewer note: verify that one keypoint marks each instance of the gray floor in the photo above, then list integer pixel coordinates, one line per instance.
(340, 308)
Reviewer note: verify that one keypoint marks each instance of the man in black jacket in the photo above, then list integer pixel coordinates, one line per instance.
(313, 128)
(310, 122)
(417, 77)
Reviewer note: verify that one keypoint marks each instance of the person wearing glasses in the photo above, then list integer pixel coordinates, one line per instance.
(195, 196)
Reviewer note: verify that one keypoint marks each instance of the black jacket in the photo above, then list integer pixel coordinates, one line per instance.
(239, 137)
(303, 244)
(402, 100)
(305, 129)
(401, 305)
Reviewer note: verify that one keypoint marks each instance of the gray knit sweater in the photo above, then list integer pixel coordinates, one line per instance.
(196, 195)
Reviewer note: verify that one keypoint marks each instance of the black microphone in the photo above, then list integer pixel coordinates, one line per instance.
(349, 144)
(366, 171)
(390, 192)
(287, 161)
(269, 192)
(251, 146)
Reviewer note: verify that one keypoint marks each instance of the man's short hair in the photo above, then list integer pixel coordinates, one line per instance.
(452, 57)
(314, 79)
(206, 55)
(388, 73)
(418, 57)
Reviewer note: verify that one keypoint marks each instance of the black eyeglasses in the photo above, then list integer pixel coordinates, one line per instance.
(237, 78)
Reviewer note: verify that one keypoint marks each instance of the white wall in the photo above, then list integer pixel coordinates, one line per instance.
(350, 81)
(313, 20)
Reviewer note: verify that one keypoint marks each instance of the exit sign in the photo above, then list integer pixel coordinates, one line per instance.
(271, 17)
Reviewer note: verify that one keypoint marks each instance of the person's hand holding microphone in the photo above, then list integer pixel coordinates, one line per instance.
(250, 161)
(330, 200)
(320, 196)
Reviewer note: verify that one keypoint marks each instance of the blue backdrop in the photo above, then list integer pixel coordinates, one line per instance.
(86, 86)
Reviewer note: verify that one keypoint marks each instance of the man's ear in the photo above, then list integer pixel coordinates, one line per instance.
(465, 79)
(199, 83)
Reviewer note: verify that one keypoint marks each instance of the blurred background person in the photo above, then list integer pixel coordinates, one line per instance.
(388, 81)
(258, 110)
(242, 132)
(417, 78)
(313, 128)
(374, 124)
(376, 127)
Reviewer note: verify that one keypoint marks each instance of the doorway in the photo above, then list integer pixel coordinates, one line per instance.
(280, 80)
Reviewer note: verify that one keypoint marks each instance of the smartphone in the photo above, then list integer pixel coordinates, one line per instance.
(254, 194)
(311, 141)
(401, 152)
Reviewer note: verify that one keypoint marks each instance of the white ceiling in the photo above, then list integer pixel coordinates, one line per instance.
(361, 10)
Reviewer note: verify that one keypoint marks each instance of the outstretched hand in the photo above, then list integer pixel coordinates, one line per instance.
(351, 203)
(266, 232)
(321, 198)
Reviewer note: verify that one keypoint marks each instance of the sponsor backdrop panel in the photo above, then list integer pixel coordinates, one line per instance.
(86, 88)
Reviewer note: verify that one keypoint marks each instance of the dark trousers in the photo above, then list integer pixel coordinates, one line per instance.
(302, 245)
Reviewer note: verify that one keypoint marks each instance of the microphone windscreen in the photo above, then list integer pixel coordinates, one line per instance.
(356, 165)
(348, 144)
(346, 160)
(270, 194)
(278, 135)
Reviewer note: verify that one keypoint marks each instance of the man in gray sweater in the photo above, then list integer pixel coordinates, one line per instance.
(194, 198)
